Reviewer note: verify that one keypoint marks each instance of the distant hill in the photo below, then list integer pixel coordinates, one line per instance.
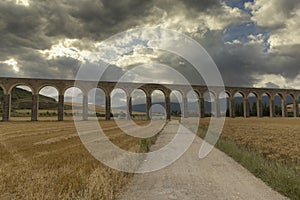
(22, 99)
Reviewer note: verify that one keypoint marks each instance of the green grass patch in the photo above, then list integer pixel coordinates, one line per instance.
(280, 177)
(146, 143)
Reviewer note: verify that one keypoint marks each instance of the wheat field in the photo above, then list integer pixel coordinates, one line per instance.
(46, 160)
(277, 139)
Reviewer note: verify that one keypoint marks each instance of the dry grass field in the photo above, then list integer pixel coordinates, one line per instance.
(277, 139)
(46, 160)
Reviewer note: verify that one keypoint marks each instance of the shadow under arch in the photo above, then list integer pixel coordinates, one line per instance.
(253, 104)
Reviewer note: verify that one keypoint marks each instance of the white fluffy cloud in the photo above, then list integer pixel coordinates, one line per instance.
(281, 18)
(289, 34)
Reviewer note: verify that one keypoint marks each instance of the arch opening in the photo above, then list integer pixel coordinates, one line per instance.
(48, 103)
(21, 103)
(138, 102)
(76, 95)
(239, 109)
(119, 105)
(224, 101)
(252, 103)
(278, 105)
(265, 104)
(290, 105)
(209, 104)
(96, 103)
(193, 109)
(158, 107)
(176, 104)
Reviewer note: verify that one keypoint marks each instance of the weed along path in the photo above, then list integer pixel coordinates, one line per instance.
(215, 177)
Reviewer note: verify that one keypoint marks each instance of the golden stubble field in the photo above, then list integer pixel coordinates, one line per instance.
(278, 139)
(46, 160)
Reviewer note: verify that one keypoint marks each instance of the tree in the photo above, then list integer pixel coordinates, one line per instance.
(254, 109)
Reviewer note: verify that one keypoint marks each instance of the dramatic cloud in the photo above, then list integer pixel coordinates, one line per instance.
(255, 43)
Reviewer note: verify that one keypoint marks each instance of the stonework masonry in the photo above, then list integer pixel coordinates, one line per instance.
(7, 85)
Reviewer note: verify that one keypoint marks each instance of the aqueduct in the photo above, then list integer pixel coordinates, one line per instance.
(7, 85)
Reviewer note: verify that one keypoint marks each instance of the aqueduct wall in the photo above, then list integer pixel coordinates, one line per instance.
(7, 85)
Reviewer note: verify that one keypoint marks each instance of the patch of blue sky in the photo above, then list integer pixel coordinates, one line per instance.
(242, 31)
(131, 44)
(237, 3)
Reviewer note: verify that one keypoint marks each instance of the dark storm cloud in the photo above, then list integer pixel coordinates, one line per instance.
(26, 30)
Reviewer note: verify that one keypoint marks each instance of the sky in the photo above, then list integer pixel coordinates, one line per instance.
(253, 43)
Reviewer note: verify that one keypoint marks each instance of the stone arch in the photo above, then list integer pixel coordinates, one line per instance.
(225, 104)
(70, 94)
(239, 104)
(47, 107)
(21, 84)
(66, 88)
(47, 85)
(279, 104)
(209, 103)
(96, 102)
(291, 102)
(138, 103)
(22, 109)
(192, 104)
(158, 104)
(157, 91)
(118, 102)
(266, 107)
(253, 104)
(3, 88)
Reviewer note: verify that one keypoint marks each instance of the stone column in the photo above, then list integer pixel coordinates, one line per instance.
(217, 107)
(283, 107)
(168, 107)
(272, 107)
(246, 108)
(85, 108)
(6, 107)
(129, 107)
(35, 107)
(259, 107)
(185, 107)
(148, 106)
(60, 108)
(201, 107)
(295, 107)
(107, 107)
(231, 108)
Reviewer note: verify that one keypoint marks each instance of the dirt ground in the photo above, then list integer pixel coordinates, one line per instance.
(215, 177)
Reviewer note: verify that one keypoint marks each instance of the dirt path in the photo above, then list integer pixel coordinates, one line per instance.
(215, 177)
